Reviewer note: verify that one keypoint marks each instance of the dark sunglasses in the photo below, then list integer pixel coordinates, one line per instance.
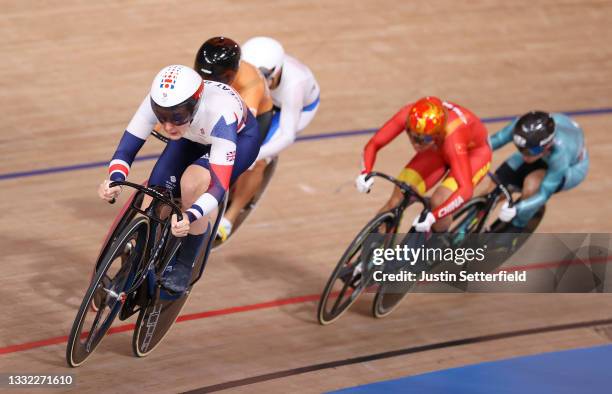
(178, 115)
(536, 150)
(421, 139)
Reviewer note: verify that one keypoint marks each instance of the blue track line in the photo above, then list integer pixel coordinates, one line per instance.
(340, 134)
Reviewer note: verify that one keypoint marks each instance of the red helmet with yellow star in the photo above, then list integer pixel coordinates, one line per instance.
(426, 119)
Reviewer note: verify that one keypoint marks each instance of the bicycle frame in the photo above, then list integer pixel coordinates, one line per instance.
(410, 196)
(159, 244)
(492, 198)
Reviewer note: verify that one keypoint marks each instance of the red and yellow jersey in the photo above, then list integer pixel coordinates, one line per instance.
(464, 135)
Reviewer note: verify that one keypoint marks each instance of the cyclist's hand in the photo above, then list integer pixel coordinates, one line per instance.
(507, 214)
(425, 225)
(108, 193)
(362, 185)
(179, 229)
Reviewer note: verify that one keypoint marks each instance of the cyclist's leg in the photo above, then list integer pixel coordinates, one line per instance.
(423, 171)
(247, 148)
(513, 171)
(194, 183)
(533, 185)
(532, 182)
(169, 172)
(250, 181)
(169, 168)
(480, 162)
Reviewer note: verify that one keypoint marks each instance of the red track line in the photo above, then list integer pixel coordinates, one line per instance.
(263, 305)
(246, 308)
(193, 316)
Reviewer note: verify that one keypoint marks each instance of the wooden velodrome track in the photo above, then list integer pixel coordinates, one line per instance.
(73, 72)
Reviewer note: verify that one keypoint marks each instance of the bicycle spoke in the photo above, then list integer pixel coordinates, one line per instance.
(340, 296)
(93, 330)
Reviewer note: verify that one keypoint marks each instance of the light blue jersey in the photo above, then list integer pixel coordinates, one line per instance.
(568, 163)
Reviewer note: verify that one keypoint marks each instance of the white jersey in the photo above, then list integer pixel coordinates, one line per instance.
(297, 90)
(218, 101)
(298, 86)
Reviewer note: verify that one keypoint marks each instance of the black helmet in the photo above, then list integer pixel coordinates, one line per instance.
(534, 132)
(218, 60)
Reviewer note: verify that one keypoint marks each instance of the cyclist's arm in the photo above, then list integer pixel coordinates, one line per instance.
(502, 137)
(132, 140)
(391, 129)
(221, 163)
(291, 110)
(525, 209)
(456, 151)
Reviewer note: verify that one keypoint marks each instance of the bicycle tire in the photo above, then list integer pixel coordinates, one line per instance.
(147, 337)
(386, 301)
(78, 352)
(126, 217)
(325, 317)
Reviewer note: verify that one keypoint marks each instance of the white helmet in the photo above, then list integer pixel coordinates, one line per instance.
(265, 53)
(175, 94)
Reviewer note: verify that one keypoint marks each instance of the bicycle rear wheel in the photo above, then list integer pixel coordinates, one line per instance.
(348, 281)
(467, 220)
(154, 323)
(115, 274)
(158, 316)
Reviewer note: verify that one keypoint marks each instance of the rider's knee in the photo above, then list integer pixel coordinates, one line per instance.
(192, 187)
(531, 184)
(443, 224)
(395, 199)
(440, 196)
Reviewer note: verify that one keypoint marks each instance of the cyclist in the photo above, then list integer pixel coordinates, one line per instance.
(218, 59)
(295, 94)
(551, 157)
(213, 139)
(448, 139)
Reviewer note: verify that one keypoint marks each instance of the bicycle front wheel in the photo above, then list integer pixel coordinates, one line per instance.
(115, 274)
(350, 278)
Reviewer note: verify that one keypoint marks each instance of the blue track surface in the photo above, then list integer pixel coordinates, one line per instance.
(578, 371)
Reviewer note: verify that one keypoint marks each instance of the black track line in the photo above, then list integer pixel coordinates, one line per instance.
(393, 353)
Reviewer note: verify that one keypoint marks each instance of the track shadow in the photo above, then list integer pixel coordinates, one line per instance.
(282, 267)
